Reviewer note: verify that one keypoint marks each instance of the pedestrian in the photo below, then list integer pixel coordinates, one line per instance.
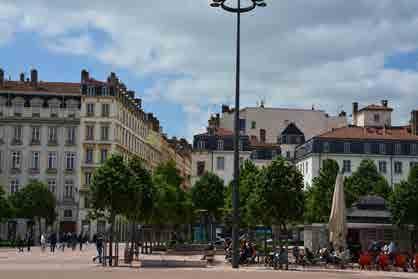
(28, 241)
(53, 241)
(62, 241)
(68, 239)
(98, 240)
(74, 241)
(80, 241)
(43, 242)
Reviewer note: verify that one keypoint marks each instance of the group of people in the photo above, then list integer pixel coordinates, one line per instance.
(248, 252)
(21, 243)
(69, 240)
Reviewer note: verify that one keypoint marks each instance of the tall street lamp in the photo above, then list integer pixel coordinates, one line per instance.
(235, 193)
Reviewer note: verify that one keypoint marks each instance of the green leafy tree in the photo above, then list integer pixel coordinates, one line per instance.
(247, 179)
(6, 209)
(35, 202)
(318, 197)
(208, 193)
(366, 180)
(278, 197)
(404, 203)
(110, 192)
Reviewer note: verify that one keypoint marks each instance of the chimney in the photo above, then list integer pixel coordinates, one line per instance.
(1, 77)
(139, 102)
(84, 76)
(385, 103)
(225, 109)
(414, 122)
(113, 79)
(355, 112)
(34, 77)
(22, 77)
(131, 94)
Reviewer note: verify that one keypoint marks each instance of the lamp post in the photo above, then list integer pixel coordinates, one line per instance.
(235, 193)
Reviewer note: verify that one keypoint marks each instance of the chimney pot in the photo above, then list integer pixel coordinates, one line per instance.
(385, 103)
(1, 76)
(85, 76)
(34, 77)
(22, 77)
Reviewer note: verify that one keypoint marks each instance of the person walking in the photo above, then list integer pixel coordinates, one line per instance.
(80, 241)
(20, 244)
(98, 240)
(53, 241)
(28, 241)
(62, 241)
(74, 241)
(43, 243)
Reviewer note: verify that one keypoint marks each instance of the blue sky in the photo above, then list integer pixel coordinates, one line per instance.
(180, 59)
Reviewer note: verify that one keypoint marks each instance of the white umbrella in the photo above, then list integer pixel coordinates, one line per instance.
(337, 218)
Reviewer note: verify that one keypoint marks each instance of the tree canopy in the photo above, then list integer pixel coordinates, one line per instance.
(278, 197)
(318, 198)
(208, 193)
(6, 210)
(404, 200)
(366, 180)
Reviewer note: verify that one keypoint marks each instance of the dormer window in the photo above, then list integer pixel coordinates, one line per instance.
(91, 91)
(347, 147)
(376, 117)
(382, 148)
(201, 144)
(398, 148)
(220, 145)
(18, 109)
(325, 147)
(105, 91)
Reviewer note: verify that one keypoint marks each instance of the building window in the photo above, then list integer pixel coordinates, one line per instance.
(346, 166)
(52, 135)
(103, 155)
(91, 91)
(90, 109)
(70, 160)
(382, 148)
(36, 110)
(262, 135)
(17, 135)
(89, 156)
(288, 156)
(347, 147)
(201, 144)
(325, 147)
(54, 108)
(220, 163)
(376, 117)
(52, 185)
(52, 160)
(105, 91)
(36, 135)
(14, 186)
(68, 213)
(220, 145)
(104, 132)
(71, 135)
(240, 145)
(16, 159)
(382, 166)
(413, 149)
(253, 125)
(35, 160)
(105, 110)
(367, 148)
(69, 189)
(89, 132)
(200, 168)
(87, 178)
(398, 167)
(398, 148)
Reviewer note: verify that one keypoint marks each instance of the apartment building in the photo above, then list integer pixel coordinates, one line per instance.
(40, 140)
(60, 132)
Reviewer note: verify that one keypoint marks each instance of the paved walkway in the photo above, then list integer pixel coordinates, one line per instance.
(79, 265)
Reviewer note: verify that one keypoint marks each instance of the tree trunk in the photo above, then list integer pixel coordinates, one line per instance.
(286, 246)
(112, 226)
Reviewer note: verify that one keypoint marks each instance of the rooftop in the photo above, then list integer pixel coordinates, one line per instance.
(41, 87)
(373, 133)
(377, 107)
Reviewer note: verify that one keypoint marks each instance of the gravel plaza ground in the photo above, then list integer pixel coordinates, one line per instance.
(79, 265)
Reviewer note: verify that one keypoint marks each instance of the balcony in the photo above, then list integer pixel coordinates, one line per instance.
(15, 170)
(35, 142)
(16, 142)
(68, 200)
(53, 142)
(34, 171)
(51, 171)
(69, 171)
(70, 142)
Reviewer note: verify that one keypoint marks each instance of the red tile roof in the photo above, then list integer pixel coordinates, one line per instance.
(375, 133)
(42, 87)
(376, 107)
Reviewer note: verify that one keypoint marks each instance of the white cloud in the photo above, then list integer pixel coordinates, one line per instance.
(294, 53)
